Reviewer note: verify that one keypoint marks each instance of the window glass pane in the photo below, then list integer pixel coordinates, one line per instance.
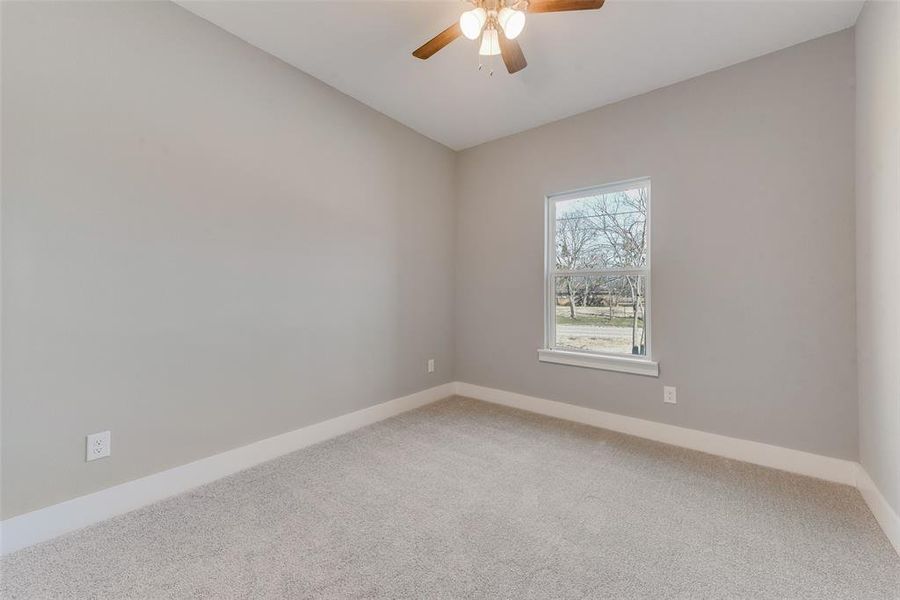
(601, 314)
(603, 230)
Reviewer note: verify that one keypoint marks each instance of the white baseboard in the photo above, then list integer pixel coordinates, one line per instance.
(46, 523)
(785, 459)
(884, 514)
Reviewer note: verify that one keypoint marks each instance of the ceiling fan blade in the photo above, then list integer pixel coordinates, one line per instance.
(438, 42)
(512, 55)
(542, 6)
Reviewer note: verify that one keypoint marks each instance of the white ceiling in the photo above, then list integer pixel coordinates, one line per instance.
(576, 61)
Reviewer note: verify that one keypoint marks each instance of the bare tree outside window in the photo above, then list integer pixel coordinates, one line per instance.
(601, 269)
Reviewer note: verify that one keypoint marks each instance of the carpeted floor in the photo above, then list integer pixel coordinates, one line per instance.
(462, 499)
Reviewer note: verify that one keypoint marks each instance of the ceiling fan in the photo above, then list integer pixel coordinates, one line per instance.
(499, 23)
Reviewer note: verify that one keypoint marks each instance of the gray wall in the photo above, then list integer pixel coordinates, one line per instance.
(202, 247)
(752, 241)
(878, 243)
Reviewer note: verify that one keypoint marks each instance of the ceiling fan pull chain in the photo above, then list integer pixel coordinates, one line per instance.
(478, 59)
(492, 57)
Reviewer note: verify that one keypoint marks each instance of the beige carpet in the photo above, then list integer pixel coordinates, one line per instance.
(463, 499)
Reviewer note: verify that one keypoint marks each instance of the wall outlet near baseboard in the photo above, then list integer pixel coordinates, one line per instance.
(98, 446)
(669, 395)
(430, 365)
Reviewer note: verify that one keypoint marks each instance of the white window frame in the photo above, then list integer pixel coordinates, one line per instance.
(640, 365)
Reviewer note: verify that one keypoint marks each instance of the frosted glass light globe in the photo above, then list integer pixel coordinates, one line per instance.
(490, 43)
(472, 21)
(512, 22)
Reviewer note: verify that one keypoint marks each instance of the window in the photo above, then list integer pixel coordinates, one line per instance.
(598, 278)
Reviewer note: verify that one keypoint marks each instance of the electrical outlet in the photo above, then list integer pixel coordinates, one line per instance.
(98, 446)
(431, 365)
(669, 395)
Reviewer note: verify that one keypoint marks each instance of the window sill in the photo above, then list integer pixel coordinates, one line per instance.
(623, 364)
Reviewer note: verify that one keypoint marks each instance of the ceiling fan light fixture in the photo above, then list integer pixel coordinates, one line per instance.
(490, 43)
(472, 21)
(512, 21)
(488, 18)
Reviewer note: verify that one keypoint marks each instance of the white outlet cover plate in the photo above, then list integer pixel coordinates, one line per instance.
(669, 395)
(98, 446)
(431, 365)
